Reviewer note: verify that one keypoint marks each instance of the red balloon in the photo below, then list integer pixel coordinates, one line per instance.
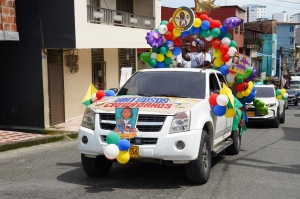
(218, 23)
(209, 19)
(213, 99)
(100, 94)
(177, 42)
(216, 44)
(168, 35)
(213, 24)
(239, 88)
(224, 49)
(225, 58)
(203, 17)
(197, 15)
(170, 26)
(245, 85)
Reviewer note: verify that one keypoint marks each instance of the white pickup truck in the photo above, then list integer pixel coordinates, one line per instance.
(175, 122)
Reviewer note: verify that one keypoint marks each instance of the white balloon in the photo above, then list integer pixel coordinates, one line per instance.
(231, 51)
(285, 95)
(209, 38)
(193, 43)
(153, 55)
(229, 62)
(94, 97)
(164, 39)
(230, 77)
(226, 41)
(111, 151)
(162, 29)
(222, 100)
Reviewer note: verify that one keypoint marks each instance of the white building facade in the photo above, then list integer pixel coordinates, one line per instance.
(254, 12)
(281, 17)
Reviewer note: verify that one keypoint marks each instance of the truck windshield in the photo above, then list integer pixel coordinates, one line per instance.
(166, 83)
(262, 92)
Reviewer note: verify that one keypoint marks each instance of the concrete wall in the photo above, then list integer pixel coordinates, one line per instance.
(112, 68)
(144, 8)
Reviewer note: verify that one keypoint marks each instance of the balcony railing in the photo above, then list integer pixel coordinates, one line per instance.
(118, 18)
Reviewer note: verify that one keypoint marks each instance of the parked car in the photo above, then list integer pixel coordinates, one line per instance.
(294, 84)
(276, 108)
(293, 97)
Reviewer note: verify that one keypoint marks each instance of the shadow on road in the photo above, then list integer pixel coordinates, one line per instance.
(135, 175)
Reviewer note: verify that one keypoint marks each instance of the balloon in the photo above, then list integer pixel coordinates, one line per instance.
(177, 42)
(160, 65)
(217, 54)
(123, 157)
(278, 92)
(224, 49)
(196, 31)
(160, 57)
(226, 41)
(170, 26)
(197, 22)
(247, 74)
(110, 93)
(100, 94)
(283, 91)
(223, 30)
(113, 138)
(176, 51)
(176, 33)
(203, 17)
(153, 63)
(213, 99)
(111, 151)
(228, 35)
(169, 53)
(219, 110)
(205, 33)
(154, 50)
(169, 46)
(205, 25)
(162, 29)
(185, 34)
(169, 35)
(231, 51)
(167, 60)
(239, 95)
(222, 100)
(232, 22)
(145, 57)
(224, 69)
(94, 97)
(225, 58)
(230, 112)
(209, 38)
(285, 95)
(232, 43)
(215, 32)
(153, 55)
(154, 39)
(163, 50)
(230, 77)
(124, 144)
(216, 44)
(164, 22)
(218, 62)
(279, 97)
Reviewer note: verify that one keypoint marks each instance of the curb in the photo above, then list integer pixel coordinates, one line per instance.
(38, 141)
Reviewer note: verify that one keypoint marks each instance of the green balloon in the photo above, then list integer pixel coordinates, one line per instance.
(205, 33)
(278, 92)
(113, 138)
(215, 32)
(164, 22)
(153, 63)
(228, 35)
(167, 60)
(247, 74)
(154, 50)
(232, 44)
(163, 50)
(145, 57)
(239, 80)
(283, 98)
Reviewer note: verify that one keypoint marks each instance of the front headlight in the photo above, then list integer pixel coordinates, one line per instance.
(88, 120)
(271, 105)
(181, 122)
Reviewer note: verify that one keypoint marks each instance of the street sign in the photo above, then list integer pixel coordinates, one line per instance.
(263, 55)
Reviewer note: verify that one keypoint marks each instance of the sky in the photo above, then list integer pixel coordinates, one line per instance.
(273, 6)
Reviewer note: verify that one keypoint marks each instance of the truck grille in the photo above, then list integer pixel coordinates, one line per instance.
(146, 123)
(137, 140)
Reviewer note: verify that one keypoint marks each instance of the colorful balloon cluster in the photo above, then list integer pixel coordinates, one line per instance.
(281, 94)
(117, 148)
(101, 93)
(245, 92)
(220, 105)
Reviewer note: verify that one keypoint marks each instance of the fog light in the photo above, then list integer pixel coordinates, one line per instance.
(180, 145)
(84, 140)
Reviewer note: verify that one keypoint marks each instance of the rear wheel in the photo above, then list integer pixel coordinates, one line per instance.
(282, 119)
(296, 103)
(96, 167)
(198, 171)
(235, 148)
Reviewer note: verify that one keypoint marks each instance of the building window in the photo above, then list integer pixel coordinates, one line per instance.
(291, 28)
(236, 30)
(291, 41)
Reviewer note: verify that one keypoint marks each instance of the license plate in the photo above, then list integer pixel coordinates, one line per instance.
(250, 114)
(134, 151)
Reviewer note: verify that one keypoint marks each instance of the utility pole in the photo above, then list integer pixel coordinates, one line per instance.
(281, 66)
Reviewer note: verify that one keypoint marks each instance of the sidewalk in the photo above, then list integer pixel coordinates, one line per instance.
(12, 139)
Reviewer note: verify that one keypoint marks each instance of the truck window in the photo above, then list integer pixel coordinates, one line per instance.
(213, 82)
(221, 80)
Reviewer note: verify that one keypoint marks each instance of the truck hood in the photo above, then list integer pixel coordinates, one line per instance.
(159, 105)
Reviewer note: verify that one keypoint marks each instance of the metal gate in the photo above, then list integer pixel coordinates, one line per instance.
(98, 69)
(127, 58)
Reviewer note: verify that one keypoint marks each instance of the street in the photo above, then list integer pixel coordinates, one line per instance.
(267, 167)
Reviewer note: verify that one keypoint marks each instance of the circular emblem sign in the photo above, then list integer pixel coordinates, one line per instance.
(183, 18)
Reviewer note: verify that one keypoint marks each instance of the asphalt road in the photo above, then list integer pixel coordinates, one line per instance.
(267, 167)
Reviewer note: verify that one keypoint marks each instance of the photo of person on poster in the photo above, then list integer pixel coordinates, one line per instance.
(235, 61)
(126, 120)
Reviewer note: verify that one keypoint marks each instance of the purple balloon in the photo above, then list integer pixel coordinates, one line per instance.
(154, 39)
(232, 22)
(252, 76)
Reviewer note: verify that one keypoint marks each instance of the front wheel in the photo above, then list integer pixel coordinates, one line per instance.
(282, 119)
(235, 148)
(276, 121)
(96, 167)
(198, 171)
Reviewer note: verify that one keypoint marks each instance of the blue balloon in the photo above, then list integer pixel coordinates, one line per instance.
(205, 25)
(224, 69)
(169, 45)
(223, 30)
(185, 34)
(219, 110)
(197, 31)
(110, 93)
(160, 65)
(124, 145)
(176, 51)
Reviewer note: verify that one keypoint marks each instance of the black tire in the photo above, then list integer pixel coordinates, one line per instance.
(198, 171)
(276, 120)
(282, 119)
(96, 167)
(287, 106)
(235, 148)
(296, 104)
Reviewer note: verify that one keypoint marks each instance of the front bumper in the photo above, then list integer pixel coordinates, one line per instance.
(258, 117)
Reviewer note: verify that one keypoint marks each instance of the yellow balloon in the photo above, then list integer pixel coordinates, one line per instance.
(197, 22)
(123, 157)
(151, 50)
(247, 92)
(230, 84)
(169, 54)
(283, 91)
(160, 57)
(230, 112)
(239, 95)
(279, 97)
(218, 62)
(176, 32)
(217, 54)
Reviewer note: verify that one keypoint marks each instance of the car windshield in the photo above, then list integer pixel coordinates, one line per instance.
(166, 83)
(262, 92)
(295, 82)
(290, 92)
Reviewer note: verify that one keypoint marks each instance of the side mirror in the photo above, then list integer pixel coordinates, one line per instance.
(114, 89)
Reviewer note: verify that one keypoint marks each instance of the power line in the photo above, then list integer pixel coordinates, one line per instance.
(288, 1)
(277, 5)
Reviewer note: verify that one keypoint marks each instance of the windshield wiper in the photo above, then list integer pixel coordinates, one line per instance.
(141, 94)
(170, 95)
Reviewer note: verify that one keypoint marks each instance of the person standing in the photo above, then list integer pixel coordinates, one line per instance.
(181, 63)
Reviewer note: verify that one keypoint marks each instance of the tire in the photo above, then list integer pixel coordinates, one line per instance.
(282, 119)
(96, 167)
(276, 120)
(296, 104)
(198, 171)
(235, 148)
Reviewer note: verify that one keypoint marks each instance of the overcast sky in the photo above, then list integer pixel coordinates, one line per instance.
(273, 6)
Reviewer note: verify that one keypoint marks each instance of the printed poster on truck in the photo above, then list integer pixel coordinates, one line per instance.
(126, 119)
(240, 63)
